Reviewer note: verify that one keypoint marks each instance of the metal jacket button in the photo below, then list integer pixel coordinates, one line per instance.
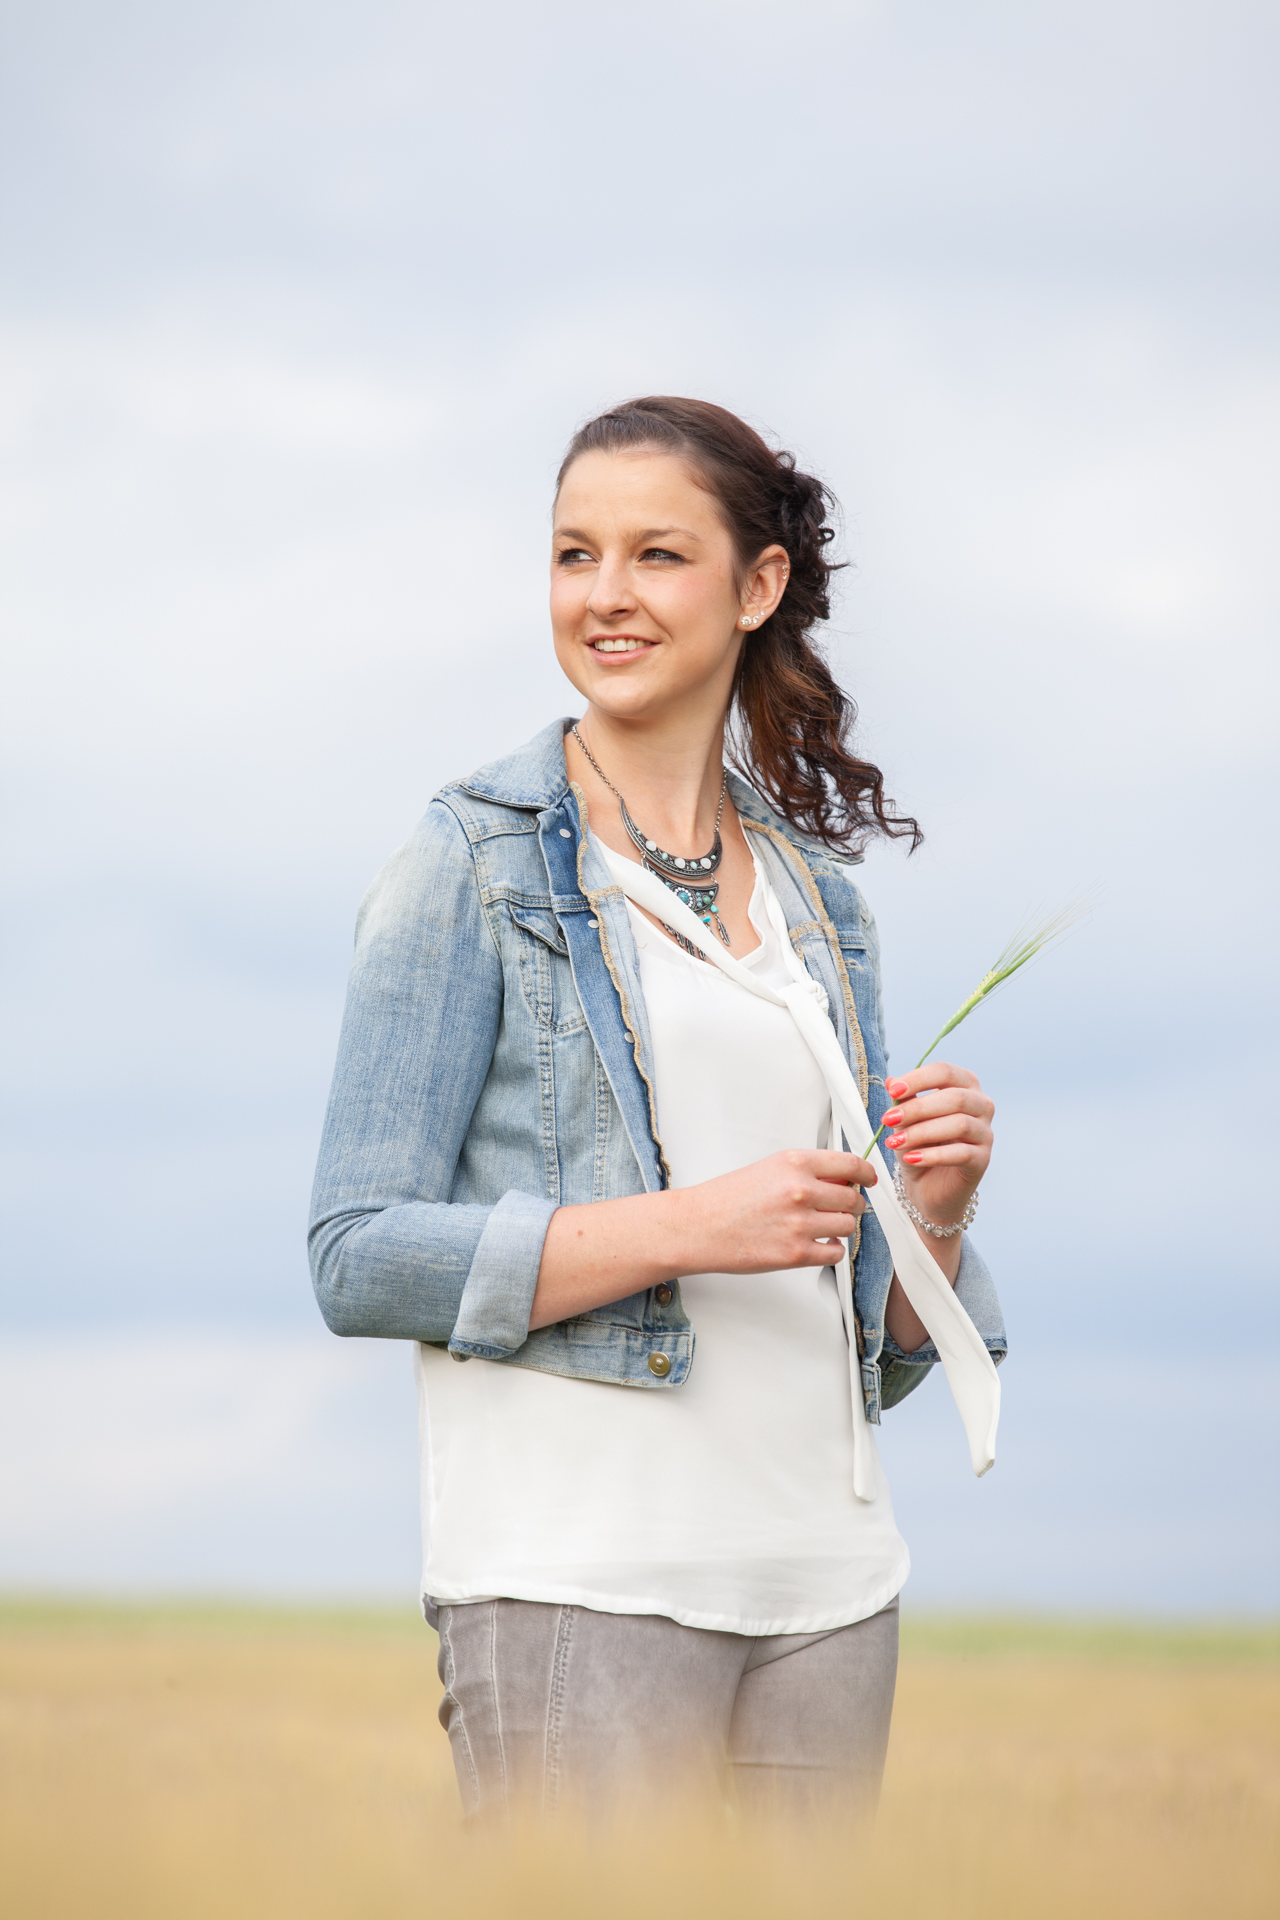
(663, 1295)
(659, 1364)
(458, 1356)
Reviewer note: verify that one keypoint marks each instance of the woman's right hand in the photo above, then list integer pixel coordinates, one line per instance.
(777, 1213)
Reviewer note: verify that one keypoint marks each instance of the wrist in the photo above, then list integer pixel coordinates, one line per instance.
(939, 1223)
(660, 1236)
(677, 1226)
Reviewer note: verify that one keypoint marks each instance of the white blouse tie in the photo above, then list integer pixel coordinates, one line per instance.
(970, 1370)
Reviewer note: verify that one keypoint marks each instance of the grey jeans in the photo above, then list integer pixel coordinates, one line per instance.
(552, 1707)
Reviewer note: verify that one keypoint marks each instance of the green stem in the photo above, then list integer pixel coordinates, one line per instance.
(1024, 946)
(935, 1042)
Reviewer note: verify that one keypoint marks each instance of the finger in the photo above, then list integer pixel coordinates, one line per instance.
(973, 1159)
(937, 1073)
(827, 1198)
(930, 1106)
(938, 1133)
(844, 1169)
(823, 1248)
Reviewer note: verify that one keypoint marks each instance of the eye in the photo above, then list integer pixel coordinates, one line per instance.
(662, 553)
(572, 556)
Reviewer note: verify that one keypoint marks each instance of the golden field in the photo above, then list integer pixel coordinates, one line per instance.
(185, 1762)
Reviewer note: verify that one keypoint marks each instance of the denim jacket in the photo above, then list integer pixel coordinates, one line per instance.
(495, 1063)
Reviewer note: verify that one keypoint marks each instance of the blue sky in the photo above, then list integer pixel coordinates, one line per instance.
(298, 306)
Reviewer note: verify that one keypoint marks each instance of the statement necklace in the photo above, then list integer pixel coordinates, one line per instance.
(684, 877)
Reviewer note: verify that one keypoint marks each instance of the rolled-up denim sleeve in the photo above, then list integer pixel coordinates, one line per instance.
(901, 1373)
(391, 1257)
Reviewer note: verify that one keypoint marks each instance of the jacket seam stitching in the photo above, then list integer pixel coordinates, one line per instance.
(547, 1078)
(603, 1101)
(480, 885)
(594, 896)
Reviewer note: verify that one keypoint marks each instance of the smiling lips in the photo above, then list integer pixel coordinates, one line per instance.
(623, 644)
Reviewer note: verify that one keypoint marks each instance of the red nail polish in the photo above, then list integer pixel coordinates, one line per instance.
(897, 1139)
(913, 1159)
(895, 1088)
(891, 1119)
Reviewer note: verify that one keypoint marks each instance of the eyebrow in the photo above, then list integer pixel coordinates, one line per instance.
(650, 533)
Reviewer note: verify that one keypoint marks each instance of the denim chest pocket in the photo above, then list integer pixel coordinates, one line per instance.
(545, 974)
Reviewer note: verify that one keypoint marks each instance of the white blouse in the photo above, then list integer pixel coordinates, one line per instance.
(726, 1503)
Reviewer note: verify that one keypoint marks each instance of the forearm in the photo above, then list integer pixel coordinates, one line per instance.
(608, 1250)
(902, 1323)
(781, 1212)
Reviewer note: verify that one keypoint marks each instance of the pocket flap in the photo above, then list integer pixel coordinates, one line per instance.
(542, 924)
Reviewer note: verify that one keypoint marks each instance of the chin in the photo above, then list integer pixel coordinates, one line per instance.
(626, 703)
(610, 687)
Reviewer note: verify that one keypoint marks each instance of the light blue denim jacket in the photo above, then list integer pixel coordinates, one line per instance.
(495, 1063)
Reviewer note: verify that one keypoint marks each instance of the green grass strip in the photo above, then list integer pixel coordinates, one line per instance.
(985, 1636)
(975, 1636)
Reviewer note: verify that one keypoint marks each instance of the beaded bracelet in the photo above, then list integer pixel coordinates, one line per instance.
(914, 1213)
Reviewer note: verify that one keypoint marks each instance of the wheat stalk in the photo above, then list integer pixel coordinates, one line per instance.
(1030, 939)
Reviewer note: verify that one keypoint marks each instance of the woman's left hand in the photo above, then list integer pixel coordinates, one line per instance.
(940, 1128)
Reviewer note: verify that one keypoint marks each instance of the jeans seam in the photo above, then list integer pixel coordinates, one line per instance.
(493, 1696)
(450, 1675)
(555, 1708)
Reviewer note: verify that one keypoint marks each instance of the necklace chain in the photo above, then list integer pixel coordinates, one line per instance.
(684, 877)
(724, 783)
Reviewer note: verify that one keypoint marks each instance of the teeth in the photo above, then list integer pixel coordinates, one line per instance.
(618, 646)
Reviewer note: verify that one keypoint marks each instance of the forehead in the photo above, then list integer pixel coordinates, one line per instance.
(636, 487)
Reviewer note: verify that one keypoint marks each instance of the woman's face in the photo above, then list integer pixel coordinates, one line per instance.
(645, 594)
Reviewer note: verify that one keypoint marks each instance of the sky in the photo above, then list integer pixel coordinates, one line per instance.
(298, 308)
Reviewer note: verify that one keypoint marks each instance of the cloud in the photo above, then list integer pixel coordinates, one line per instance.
(215, 1462)
(207, 1461)
(301, 306)
(1120, 1484)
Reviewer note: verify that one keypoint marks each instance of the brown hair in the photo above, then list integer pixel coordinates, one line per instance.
(791, 719)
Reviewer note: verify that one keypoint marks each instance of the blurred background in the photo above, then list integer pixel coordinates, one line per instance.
(300, 304)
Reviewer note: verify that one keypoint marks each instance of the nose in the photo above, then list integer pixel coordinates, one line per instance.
(612, 594)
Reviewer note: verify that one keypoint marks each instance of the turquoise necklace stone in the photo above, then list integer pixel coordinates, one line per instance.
(684, 877)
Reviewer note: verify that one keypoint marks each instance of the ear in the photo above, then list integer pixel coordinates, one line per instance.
(764, 586)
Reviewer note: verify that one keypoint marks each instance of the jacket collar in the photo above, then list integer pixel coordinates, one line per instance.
(535, 777)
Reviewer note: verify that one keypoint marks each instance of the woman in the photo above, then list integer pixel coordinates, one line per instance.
(608, 1009)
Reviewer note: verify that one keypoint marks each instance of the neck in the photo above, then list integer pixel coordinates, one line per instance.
(671, 780)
